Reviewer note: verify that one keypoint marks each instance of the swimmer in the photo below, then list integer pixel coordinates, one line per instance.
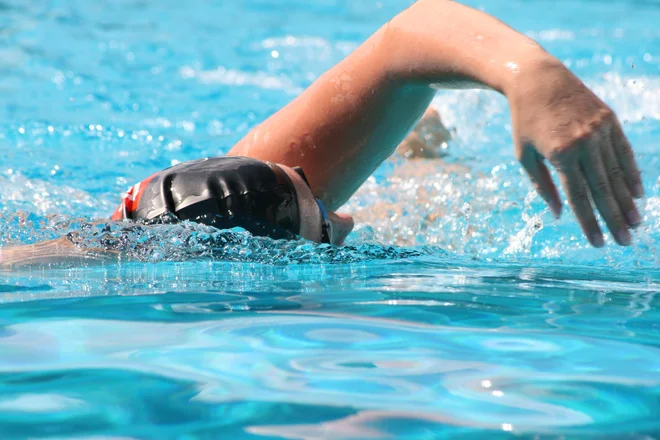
(290, 174)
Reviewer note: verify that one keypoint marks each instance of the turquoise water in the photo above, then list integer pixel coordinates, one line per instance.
(468, 314)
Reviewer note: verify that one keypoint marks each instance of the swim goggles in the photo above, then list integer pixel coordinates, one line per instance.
(326, 224)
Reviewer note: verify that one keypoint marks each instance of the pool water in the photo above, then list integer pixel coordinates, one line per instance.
(468, 313)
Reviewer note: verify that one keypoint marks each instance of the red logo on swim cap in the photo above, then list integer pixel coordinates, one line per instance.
(131, 200)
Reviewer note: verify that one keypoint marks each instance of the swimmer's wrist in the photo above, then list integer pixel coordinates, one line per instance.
(524, 68)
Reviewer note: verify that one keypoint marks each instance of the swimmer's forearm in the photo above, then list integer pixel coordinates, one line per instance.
(454, 46)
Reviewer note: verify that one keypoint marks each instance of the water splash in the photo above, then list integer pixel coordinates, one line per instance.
(460, 307)
(183, 241)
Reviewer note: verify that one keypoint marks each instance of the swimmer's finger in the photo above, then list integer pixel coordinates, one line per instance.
(540, 177)
(573, 182)
(619, 186)
(626, 157)
(601, 189)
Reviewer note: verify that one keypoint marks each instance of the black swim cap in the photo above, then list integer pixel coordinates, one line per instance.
(224, 192)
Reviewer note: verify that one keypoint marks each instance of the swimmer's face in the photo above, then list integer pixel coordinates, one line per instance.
(311, 217)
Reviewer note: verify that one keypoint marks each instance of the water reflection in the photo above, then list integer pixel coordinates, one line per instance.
(459, 310)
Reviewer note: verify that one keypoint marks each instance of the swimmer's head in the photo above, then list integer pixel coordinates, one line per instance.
(263, 198)
(316, 224)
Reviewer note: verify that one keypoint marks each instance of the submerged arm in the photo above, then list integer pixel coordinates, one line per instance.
(52, 253)
(352, 118)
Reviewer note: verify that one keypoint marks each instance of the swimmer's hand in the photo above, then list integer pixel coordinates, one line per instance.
(428, 140)
(557, 118)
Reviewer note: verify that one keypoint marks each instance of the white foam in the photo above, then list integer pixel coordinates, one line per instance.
(234, 77)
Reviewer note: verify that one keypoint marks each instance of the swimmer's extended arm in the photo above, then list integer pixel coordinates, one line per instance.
(52, 253)
(353, 117)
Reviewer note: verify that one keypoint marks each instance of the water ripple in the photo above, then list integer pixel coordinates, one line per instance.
(459, 308)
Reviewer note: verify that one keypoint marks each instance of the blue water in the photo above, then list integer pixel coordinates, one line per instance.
(467, 314)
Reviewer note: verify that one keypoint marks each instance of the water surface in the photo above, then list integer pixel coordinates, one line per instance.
(466, 313)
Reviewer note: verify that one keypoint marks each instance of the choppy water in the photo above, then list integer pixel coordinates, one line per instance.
(468, 313)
